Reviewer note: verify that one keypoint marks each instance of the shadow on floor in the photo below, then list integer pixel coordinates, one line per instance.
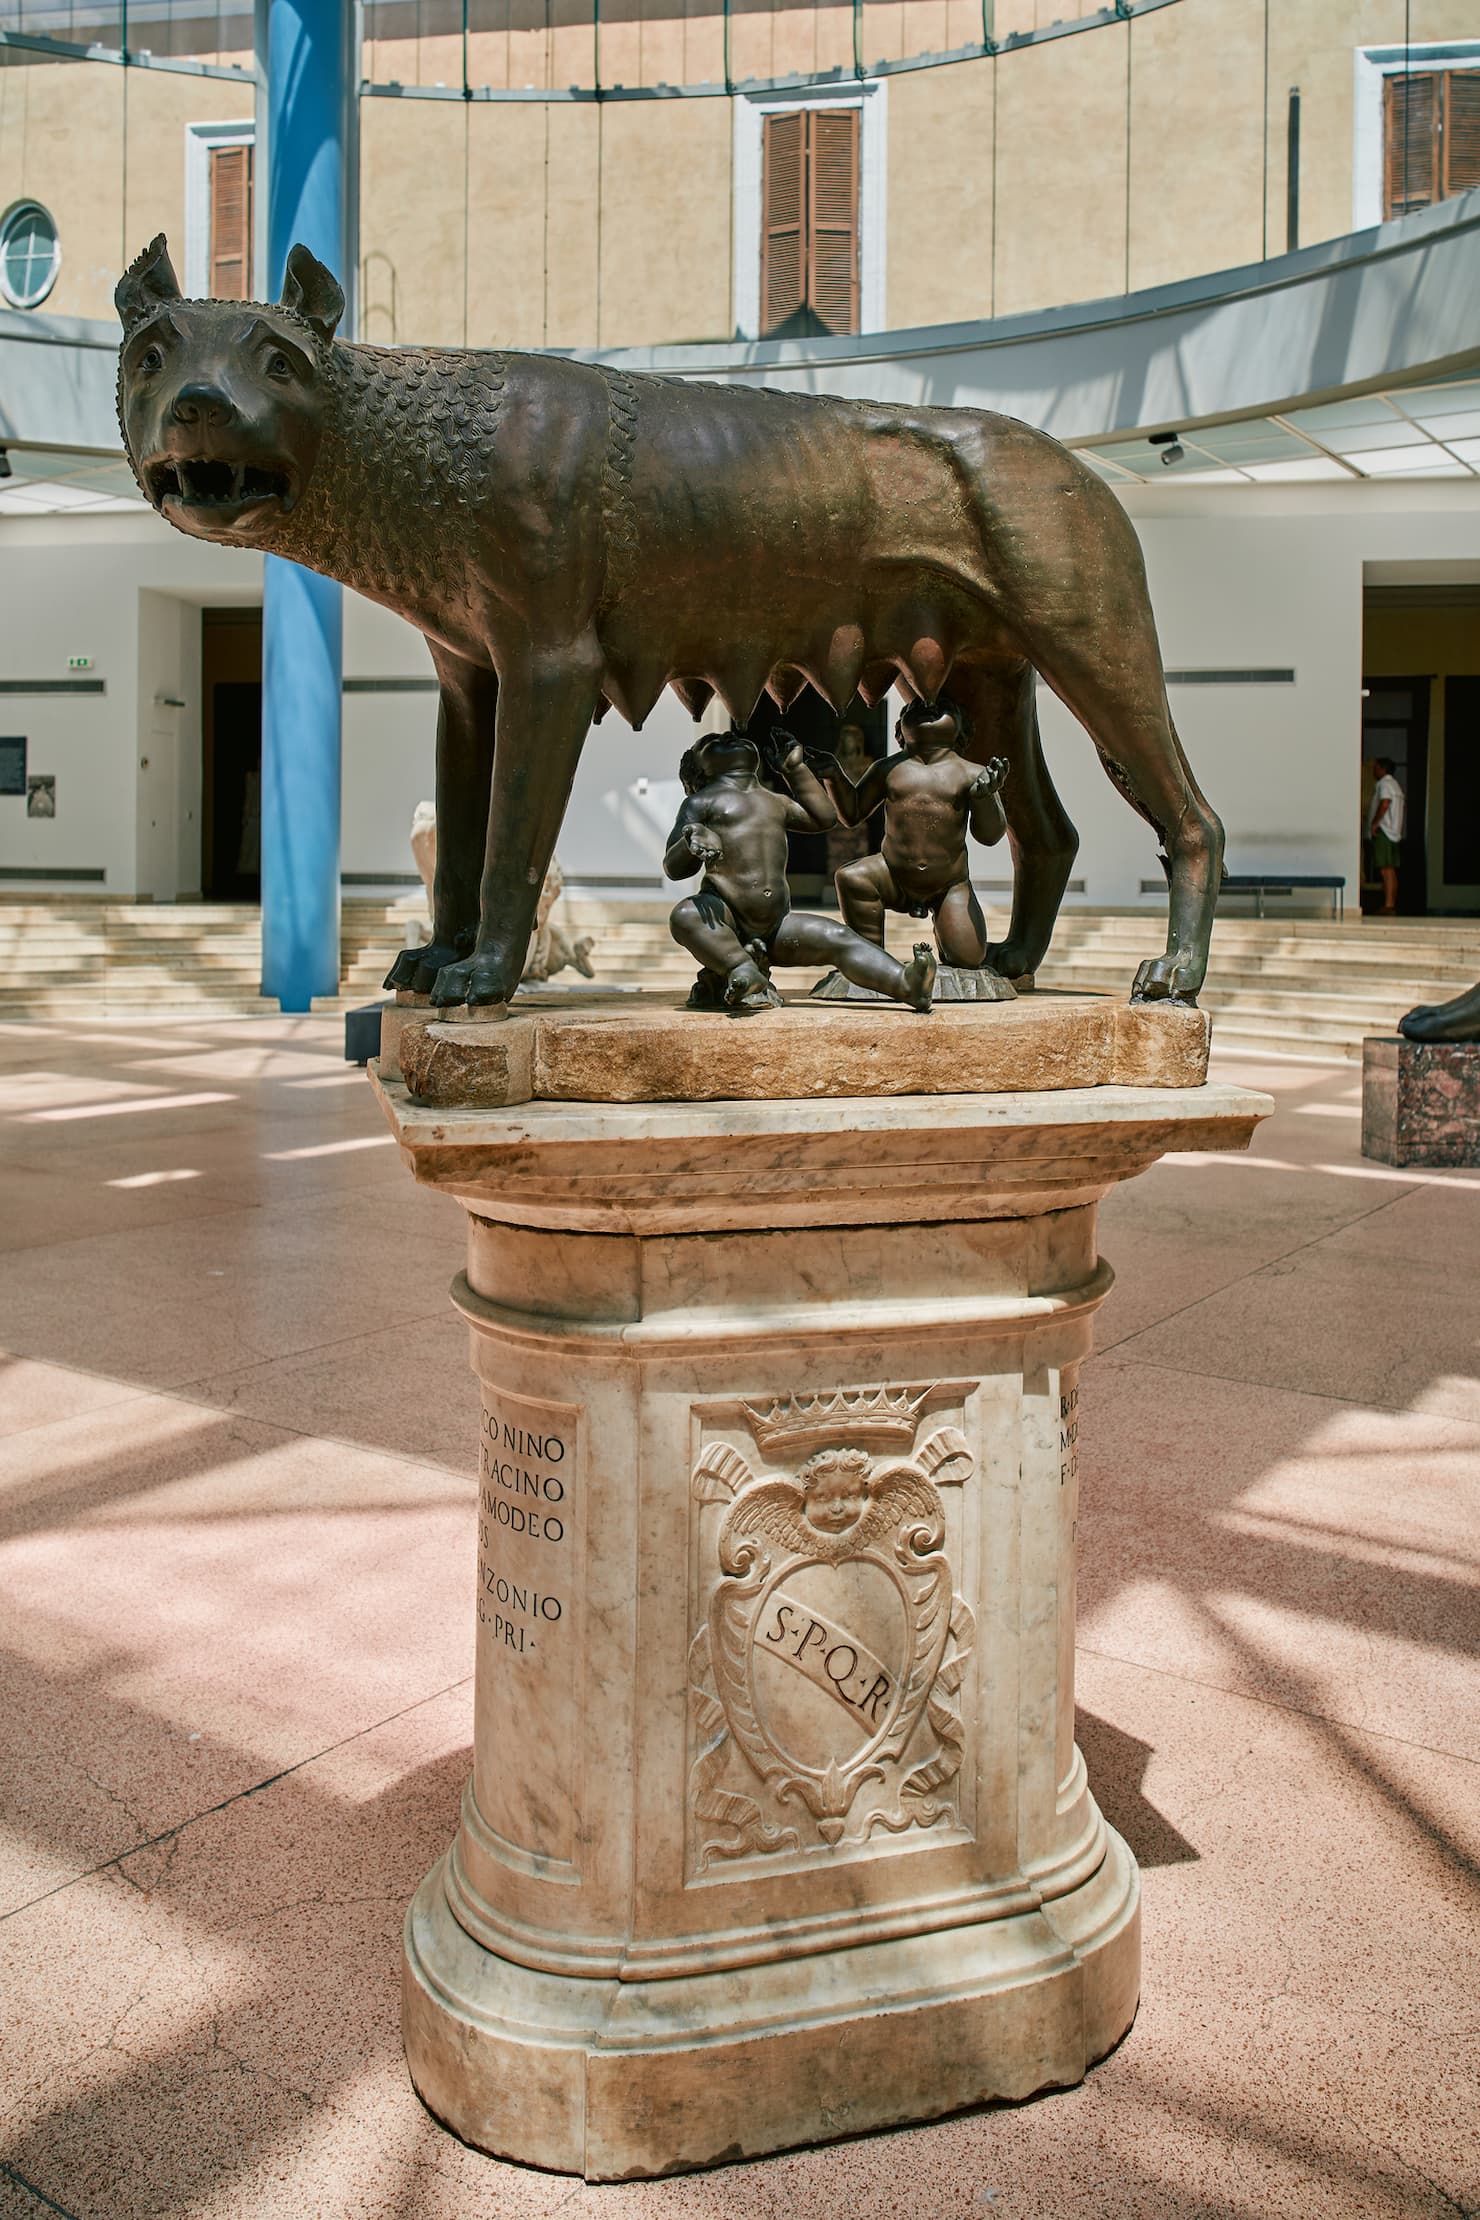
(1117, 1765)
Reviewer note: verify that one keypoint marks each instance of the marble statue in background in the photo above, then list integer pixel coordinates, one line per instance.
(551, 948)
(741, 920)
(1455, 1021)
(424, 848)
(534, 517)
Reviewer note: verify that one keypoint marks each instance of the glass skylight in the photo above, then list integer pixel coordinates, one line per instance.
(1428, 431)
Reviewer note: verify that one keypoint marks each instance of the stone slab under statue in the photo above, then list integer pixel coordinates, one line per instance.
(645, 1048)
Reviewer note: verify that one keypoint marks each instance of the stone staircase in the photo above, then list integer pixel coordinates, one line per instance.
(69, 959)
(1302, 987)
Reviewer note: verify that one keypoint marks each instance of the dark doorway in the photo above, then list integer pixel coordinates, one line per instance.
(1395, 724)
(812, 858)
(1462, 781)
(231, 755)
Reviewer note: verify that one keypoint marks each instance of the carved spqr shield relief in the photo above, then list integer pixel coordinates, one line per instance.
(827, 1668)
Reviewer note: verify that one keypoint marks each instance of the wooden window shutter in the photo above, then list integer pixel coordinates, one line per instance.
(1411, 143)
(1461, 130)
(832, 173)
(231, 222)
(783, 219)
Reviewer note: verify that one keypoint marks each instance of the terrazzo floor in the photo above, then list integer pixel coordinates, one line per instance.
(236, 1616)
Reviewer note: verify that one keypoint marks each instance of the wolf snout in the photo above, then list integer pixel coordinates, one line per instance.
(201, 403)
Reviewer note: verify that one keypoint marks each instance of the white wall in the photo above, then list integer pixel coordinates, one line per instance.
(110, 587)
(1280, 764)
(1245, 577)
(610, 833)
(128, 591)
(1260, 577)
(389, 742)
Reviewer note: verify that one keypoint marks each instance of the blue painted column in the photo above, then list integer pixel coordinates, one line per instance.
(306, 53)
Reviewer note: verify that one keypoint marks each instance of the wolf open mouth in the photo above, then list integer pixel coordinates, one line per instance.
(216, 485)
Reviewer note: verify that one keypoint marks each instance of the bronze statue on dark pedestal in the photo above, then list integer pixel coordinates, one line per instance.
(741, 920)
(570, 537)
(1456, 1021)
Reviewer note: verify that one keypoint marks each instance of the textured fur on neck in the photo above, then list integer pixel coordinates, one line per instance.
(406, 431)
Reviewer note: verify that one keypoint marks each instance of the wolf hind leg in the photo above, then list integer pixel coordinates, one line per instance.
(1120, 699)
(1003, 707)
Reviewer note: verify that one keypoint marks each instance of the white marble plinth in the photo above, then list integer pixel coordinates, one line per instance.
(776, 1829)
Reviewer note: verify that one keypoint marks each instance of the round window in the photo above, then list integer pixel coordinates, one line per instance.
(30, 254)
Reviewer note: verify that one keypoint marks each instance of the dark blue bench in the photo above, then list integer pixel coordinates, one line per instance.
(1260, 883)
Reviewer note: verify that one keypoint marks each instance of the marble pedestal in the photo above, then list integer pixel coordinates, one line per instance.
(776, 1829)
(1421, 1101)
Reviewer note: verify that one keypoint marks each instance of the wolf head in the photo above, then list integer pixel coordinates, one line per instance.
(223, 403)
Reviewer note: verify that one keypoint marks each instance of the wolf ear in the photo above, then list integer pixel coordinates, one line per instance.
(312, 291)
(147, 283)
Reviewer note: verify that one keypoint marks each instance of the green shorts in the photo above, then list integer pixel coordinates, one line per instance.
(1384, 852)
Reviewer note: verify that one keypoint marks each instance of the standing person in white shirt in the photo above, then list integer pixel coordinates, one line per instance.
(1386, 815)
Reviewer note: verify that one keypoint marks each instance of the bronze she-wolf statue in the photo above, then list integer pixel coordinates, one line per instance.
(570, 537)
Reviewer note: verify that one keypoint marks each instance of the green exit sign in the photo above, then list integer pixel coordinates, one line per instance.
(79, 662)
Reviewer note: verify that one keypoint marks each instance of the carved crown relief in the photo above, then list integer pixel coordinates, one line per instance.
(827, 1666)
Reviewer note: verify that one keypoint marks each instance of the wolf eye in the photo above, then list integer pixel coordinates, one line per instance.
(151, 360)
(278, 366)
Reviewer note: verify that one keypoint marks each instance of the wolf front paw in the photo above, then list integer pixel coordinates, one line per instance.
(1173, 978)
(415, 969)
(476, 981)
(1013, 961)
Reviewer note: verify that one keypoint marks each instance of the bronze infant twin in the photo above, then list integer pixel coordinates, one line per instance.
(740, 920)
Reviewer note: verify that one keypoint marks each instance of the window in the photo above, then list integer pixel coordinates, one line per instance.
(220, 256)
(231, 222)
(1431, 137)
(30, 254)
(809, 221)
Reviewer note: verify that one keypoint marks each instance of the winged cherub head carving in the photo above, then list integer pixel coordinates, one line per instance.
(835, 1488)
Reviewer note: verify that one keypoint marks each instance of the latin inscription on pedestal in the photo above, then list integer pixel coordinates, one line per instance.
(529, 1500)
(1069, 1429)
(831, 1640)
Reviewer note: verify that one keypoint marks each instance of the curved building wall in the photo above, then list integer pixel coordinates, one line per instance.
(591, 178)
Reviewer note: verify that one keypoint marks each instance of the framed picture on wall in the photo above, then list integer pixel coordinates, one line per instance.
(41, 795)
(12, 766)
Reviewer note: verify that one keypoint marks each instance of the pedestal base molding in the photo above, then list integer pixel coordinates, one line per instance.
(615, 2079)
